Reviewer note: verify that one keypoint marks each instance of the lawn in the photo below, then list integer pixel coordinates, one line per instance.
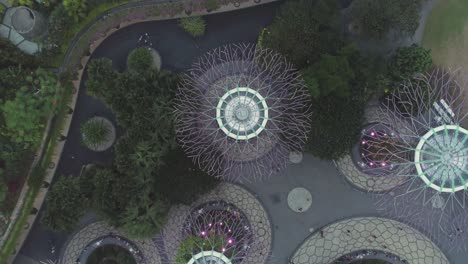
(446, 33)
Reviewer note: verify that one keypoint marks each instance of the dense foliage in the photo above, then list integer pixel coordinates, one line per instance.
(150, 172)
(304, 30)
(408, 61)
(341, 84)
(24, 115)
(196, 244)
(94, 133)
(67, 201)
(76, 9)
(195, 26)
(10, 55)
(376, 18)
(140, 59)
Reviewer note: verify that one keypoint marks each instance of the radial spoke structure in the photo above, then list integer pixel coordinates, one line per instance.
(429, 150)
(240, 111)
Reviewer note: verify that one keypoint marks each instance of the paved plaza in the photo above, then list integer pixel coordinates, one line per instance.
(368, 233)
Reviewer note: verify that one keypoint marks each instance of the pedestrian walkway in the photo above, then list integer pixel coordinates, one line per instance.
(7, 31)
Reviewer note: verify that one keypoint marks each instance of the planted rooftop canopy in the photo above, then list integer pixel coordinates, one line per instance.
(240, 111)
(429, 151)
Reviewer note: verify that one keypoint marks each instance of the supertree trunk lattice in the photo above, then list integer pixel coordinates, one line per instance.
(429, 151)
(240, 111)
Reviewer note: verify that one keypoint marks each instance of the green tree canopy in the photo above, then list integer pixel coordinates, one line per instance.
(24, 115)
(65, 204)
(305, 29)
(195, 26)
(410, 60)
(376, 18)
(140, 60)
(10, 55)
(332, 74)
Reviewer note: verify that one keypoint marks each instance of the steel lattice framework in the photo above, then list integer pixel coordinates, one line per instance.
(430, 152)
(214, 232)
(240, 111)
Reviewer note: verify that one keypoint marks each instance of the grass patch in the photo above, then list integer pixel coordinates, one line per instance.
(446, 33)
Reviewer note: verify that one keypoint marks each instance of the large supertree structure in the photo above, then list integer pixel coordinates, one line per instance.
(425, 142)
(240, 111)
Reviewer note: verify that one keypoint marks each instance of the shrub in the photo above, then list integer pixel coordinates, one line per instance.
(65, 204)
(144, 217)
(10, 55)
(332, 74)
(304, 30)
(376, 18)
(195, 26)
(76, 9)
(25, 115)
(211, 5)
(94, 133)
(140, 59)
(112, 192)
(408, 61)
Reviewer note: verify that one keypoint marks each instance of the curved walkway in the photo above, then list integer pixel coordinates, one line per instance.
(368, 233)
(245, 202)
(84, 237)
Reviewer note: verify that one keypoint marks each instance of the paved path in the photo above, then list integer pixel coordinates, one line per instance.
(7, 31)
(368, 233)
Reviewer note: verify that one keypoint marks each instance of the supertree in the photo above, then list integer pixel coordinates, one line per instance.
(428, 149)
(213, 232)
(240, 111)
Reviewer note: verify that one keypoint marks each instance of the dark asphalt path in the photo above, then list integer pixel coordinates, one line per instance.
(178, 50)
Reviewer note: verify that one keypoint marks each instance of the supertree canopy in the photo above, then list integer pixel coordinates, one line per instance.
(215, 232)
(429, 149)
(240, 111)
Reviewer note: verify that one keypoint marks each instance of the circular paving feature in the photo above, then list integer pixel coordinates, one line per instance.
(368, 233)
(299, 199)
(245, 227)
(93, 236)
(441, 158)
(296, 157)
